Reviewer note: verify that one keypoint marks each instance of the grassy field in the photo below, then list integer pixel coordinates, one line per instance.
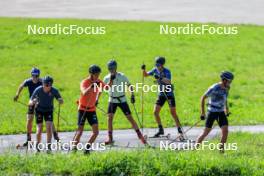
(195, 62)
(247, 160)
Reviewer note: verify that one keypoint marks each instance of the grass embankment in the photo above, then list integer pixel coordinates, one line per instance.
(195, 62)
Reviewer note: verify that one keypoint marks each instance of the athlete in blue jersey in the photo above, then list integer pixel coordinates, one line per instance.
(217, 107)
(42, 98)
(163, 77)
(31, 83)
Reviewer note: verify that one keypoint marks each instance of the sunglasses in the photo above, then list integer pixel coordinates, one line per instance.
(47, 85)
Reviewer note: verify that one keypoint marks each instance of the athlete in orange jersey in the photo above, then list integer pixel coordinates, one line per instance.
(90, 91)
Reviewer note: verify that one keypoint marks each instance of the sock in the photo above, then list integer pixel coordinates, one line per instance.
(28, 137)
(138, 133)
(110, 135)
(160, 127)
(55, 133)
(179, 130)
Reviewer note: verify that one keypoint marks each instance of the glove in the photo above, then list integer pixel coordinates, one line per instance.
(202, 117)
(228, 114)
(133, 99)
(156, 76)
(96, 103)
(112, 77)
(16, 98)
(143, 67)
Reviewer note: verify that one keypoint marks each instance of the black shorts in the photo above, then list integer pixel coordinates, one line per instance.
(90, 116)
(162, 99)
(31, 110)
(124, 107)
(220, 117)
(47, 116)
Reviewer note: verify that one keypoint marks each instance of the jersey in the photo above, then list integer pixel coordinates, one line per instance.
(165, 73)
(31, 85)
(117, 92)
(217, 98)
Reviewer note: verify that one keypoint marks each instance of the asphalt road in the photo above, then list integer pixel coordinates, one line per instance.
(219, 11)
(124, 138)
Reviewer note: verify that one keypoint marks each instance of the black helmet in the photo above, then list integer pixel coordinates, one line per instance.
(35, 71)
(112, 65)
(160, 61)
(227, 75)
(48, 80)
(93, 69)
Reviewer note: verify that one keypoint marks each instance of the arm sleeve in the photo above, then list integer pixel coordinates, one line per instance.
(209, 92)
(25, 83)
(151, 72)
(106, 80)
(125, 79)
(57, 94)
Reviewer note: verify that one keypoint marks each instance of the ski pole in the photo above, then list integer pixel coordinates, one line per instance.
(101, 109)
(58, 123)
(137, 115)
(178, 136)
(142, 103)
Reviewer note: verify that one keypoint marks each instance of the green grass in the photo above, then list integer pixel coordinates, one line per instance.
(195, 62)
(247, 160)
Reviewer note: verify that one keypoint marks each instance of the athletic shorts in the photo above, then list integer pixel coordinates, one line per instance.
(90, 116)
(162, 99)
(30, 110)
(113, 106)
(47, 116)
(220, 117)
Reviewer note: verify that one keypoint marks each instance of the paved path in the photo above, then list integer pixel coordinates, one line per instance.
(125, 137)
(220, 11)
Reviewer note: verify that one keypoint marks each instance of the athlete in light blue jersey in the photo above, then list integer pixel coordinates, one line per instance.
(217, 107)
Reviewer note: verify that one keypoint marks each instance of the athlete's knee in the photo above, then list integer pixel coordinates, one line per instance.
(110, 117)
(156, 113)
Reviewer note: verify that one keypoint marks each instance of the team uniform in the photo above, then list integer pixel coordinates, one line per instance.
(44, 108)
(162, 98)
(118, 98)
(87, 103)
(31, 87)
(216, 105)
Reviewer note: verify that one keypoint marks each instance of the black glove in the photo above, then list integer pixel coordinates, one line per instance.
(228, 114)
(133, 99)
(156, 76)
(16, 98)
(143, 67)
(112, 77)
(202, 117)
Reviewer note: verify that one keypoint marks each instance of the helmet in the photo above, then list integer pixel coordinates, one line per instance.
(112, 65)
(93, 69)
(48, 80)
(160, 61)
(227, 75)
(35, 71)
